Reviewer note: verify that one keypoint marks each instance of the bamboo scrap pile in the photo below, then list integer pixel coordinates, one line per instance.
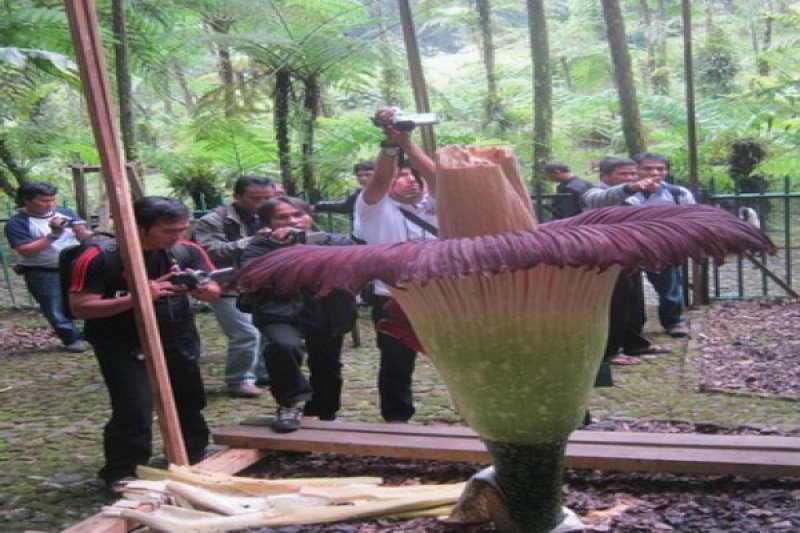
(184, 499)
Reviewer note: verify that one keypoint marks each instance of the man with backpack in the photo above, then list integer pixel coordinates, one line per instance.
(224, 233)
(668, 282)
(38, 232)
(99, 295)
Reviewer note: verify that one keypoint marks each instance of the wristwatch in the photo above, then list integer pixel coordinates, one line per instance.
(390, 149)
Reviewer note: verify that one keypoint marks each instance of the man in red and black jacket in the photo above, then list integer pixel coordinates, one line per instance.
(99, 295)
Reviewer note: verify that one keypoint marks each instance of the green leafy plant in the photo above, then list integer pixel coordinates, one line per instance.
(197, 180)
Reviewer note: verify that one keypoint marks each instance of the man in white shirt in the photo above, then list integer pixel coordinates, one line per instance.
(396, 206)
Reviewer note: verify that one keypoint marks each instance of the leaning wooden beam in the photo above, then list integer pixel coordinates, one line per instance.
(97, 90)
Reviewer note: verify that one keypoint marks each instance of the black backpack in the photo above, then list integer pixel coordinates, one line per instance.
(111, 257)
(67, 257)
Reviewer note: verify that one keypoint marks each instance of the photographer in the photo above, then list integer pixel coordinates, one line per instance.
(396, 206)
(99, 294)
(364, 172)
(285, 320)
(38, 232)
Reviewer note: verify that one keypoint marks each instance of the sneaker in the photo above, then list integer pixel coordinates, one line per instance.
(243, 390)
(77, 346)
(287, 419)
(678, 330)
(263, 381)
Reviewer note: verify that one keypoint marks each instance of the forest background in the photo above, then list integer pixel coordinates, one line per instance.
(210, 89)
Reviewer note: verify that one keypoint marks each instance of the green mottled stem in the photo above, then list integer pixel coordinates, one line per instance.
(530, 478)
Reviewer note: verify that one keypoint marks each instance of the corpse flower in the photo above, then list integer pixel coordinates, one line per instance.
(514, 315)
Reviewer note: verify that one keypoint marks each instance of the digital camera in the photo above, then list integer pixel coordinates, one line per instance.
(198, 278)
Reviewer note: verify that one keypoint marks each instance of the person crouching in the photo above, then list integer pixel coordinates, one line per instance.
(286, 320)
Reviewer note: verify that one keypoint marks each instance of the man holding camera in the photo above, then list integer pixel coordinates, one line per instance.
(38, 232)
(396, 207)
(225, 232)
(98, 294)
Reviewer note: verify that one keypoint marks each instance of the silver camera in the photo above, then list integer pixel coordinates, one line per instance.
(403, 122)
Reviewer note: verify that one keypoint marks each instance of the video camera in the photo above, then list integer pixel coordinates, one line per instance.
(403, 122)
(195, 279)
(64, 222)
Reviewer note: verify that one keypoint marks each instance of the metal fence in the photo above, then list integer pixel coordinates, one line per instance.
(746, 276)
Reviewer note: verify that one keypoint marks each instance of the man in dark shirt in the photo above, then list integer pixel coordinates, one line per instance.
(99, 295)
(568, 183)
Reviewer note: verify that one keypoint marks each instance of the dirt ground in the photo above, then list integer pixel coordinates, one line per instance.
(736, 375)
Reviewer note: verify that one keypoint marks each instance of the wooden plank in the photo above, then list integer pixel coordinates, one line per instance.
(232, 460)
(623, 451)
(672, 440)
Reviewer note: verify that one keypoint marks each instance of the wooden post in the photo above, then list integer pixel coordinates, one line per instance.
(417, 75)
(97, 90)
(81, 194)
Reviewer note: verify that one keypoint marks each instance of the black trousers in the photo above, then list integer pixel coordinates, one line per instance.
(128, 435)
(627, 316)
(395, 372)
(284, 356)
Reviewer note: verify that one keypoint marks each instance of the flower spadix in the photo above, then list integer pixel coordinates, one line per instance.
(514, 315)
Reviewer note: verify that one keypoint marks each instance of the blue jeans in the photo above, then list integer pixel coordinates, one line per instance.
(45, 287)
(243, 362)
(669, 286)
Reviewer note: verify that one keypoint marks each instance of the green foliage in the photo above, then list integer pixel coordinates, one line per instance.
(197, 180)
(717, 64)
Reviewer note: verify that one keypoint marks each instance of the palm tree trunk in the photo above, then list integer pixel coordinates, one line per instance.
(124, 84)
(492, 107)
(281, 121)
(542, 93)
(311, 105)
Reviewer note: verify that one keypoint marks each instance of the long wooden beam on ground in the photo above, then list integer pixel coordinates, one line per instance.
(618, 451)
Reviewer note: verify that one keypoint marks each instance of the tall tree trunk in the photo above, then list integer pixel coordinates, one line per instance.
(542, 93)
(390, 77)
(623, 76)
(661, 76)
(225, 66)
(124, 84)
(492, 107)
(281, 122)
(311, 105)
(650, 58)
(763, 64)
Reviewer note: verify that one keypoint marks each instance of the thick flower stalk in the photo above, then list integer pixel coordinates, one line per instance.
(514, 315)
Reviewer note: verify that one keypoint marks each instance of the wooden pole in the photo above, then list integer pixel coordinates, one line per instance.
(97, 90)
(417, 75)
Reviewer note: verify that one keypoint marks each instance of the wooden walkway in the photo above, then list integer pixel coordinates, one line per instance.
(619, 451)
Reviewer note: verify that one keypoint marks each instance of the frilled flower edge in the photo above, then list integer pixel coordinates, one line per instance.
(648, 238)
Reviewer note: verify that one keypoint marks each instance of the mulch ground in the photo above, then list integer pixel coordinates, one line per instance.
(748, 347)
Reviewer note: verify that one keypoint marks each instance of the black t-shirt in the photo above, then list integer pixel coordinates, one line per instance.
(570, 206)
(173, 314)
